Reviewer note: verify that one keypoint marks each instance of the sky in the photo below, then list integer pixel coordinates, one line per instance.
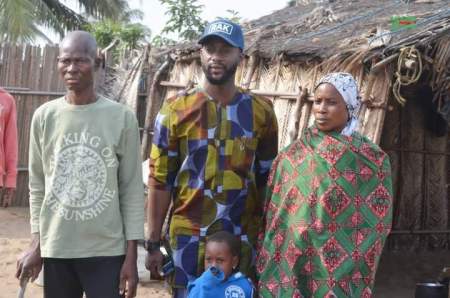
(248, 10)
(155, 18)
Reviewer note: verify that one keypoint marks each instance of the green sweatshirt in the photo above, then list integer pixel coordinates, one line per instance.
(86, 191)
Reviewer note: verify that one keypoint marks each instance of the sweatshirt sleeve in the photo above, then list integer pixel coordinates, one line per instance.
(36, 173)
(131, 188)
(10, 141)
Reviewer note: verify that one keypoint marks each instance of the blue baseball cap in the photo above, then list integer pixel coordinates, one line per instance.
(225, 29)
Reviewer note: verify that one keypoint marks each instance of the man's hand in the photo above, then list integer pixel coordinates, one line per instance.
(7, 196)
(29, 263)
(154, 262)
(158, 204)
(129, 274)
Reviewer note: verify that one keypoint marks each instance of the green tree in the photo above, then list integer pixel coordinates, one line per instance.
(291, 3)
(20, 19)
(184, 19)
(160, 41)
(233, 15)
(129, 35)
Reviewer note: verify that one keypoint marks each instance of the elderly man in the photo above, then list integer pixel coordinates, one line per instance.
(211, 153)
(86, 194)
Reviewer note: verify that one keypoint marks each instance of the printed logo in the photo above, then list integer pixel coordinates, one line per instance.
(403, 22)
(79, 169)
(221, 27)
(234, 292)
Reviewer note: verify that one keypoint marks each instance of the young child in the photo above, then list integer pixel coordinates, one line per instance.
(220, 279)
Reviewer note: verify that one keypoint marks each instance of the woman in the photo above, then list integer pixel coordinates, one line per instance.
(328, 208)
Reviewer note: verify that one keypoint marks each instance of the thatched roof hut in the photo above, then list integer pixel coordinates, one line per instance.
(295, 46)
(404, 79)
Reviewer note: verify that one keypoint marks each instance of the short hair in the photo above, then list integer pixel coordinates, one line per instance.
(233, 242)
(81, 37)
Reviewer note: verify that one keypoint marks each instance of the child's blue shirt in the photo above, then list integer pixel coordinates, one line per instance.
(211, 284)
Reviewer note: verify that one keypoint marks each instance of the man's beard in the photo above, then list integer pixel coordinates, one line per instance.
(227, 75)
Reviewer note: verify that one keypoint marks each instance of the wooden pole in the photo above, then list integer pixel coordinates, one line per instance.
(371, 81)
(148, 113)
(253, 62)
(380, 65)
(419, 232)
(301, 98)
(268, 93)
(35, 93)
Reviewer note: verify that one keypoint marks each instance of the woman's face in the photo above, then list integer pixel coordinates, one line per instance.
(329, 109)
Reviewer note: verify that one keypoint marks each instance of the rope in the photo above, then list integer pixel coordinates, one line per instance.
(407, 74)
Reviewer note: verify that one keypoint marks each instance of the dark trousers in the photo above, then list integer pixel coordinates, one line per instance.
(179, 293)
(97, 277)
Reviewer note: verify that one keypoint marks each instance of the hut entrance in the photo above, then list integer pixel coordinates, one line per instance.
(416, 137)
(417, 140)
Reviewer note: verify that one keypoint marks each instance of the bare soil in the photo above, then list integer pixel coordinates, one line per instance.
(14, 238)
(397, 275)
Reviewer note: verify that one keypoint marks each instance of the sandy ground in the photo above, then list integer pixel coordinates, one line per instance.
(396, 278)
(14, 238)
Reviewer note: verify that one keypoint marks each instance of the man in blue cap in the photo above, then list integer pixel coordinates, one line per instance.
(212, 151)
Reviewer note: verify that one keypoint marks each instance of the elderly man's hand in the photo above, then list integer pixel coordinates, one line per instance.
(7, 197)
(129, 274)
(128, 278)
(29, 263)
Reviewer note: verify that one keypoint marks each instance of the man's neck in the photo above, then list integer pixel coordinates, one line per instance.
(81, 97)
(224, 94)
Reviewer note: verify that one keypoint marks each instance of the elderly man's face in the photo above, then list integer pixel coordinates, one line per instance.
(76, 66)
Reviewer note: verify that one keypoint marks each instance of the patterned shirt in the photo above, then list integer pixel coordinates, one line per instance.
(213, 159)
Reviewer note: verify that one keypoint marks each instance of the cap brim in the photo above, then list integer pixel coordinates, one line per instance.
(227, 40)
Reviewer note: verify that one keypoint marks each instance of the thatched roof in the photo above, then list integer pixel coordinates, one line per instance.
(318, 30)
(299, 44)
